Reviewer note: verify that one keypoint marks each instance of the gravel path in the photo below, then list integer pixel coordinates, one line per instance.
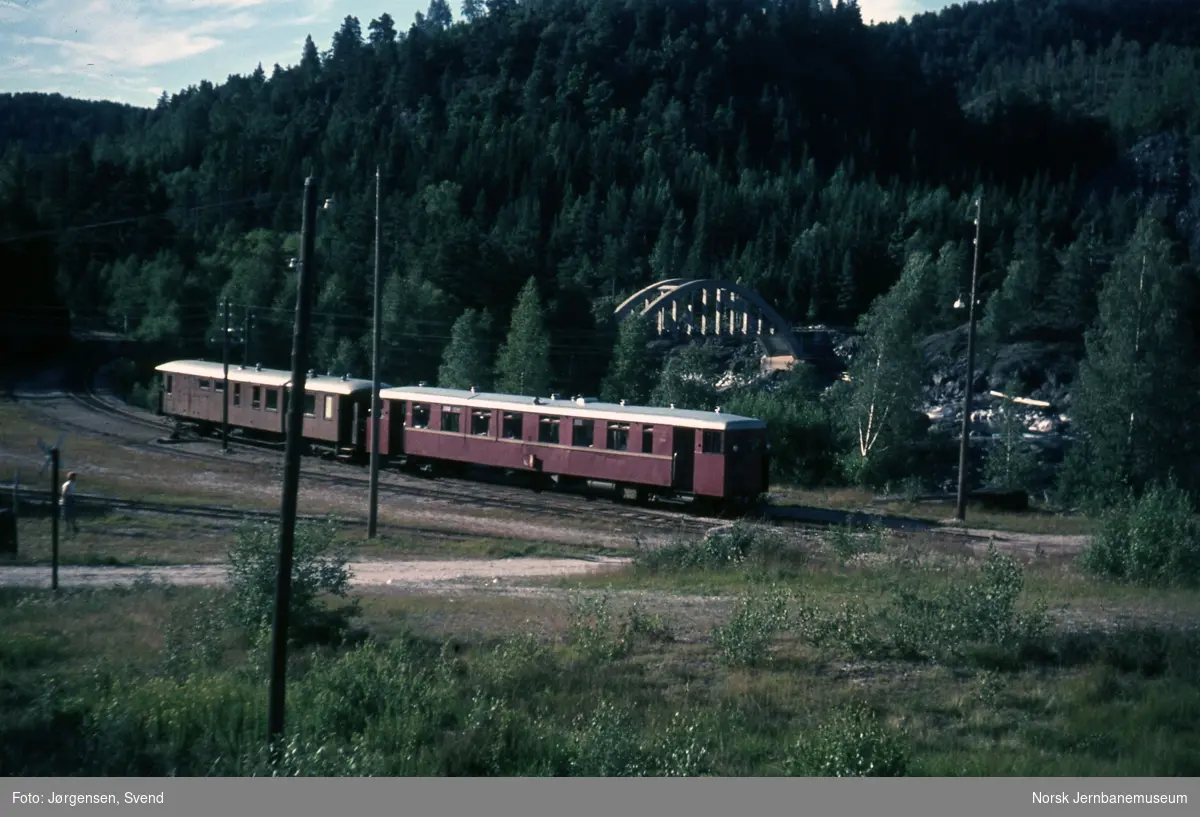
(412, 574)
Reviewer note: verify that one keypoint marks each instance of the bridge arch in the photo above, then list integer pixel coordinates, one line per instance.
(709, 307)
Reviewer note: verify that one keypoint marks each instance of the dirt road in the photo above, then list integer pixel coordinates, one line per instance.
(416, 573)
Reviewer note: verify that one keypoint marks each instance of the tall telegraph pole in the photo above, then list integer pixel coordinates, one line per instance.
(291, 473)
(961, 511)
(373, 513)
(225, 386)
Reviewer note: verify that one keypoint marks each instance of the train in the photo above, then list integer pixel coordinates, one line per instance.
(714, 459)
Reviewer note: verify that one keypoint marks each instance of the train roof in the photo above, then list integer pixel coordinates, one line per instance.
(587, 407)
(271, 378)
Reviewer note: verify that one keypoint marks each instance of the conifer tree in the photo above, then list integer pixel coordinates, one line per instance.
(523, 364)
(465, 360)
(1135, 396)
(632, 372)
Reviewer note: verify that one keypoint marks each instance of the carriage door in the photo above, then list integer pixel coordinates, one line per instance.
(397, 414)
(683, 455)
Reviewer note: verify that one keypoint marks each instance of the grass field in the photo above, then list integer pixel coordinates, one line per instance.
(1037, 520)
(131, 539)
(748, 654)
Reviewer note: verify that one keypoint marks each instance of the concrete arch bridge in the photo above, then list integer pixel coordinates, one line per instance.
(694, 309)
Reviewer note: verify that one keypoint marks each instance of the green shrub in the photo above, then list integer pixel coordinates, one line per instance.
(145, 396)
(851, 627)
(742, 544)
(852, 743)
(320, 566)
(1153, 540)
(803, 440)
(593, 631)
(848, 540)
(745, 640)
(941, 621)
(194, 638)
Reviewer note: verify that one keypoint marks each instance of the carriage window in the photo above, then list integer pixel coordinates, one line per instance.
(237, 394)
(647, 439)
(255, 398)
(205, 385)
(420, 412)
(581, 435)
(711, 442)
(329, 407)
(618, 436)
(170, 383)
(310, 405)
(481, 423)
(511, 426)
(548, 430)
(219, 385)
(450, 418)
(272, 400)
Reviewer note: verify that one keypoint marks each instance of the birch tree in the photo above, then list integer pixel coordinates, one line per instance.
(882, 392)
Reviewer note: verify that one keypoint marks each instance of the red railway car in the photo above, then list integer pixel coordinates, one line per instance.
(711, 456)
(336, 409)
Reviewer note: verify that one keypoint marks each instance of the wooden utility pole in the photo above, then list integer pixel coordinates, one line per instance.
(291, 473)
(961, 511)
(373, 512)
(225, 387)
(248, 321)
(54, 512)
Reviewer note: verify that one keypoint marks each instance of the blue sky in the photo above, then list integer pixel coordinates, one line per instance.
(132, 50)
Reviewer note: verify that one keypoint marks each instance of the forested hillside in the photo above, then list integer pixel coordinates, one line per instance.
(598, 146)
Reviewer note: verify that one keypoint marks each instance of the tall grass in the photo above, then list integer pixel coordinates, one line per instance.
(912, 667)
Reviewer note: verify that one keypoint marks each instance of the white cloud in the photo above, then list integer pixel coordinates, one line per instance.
(198, 5)
(117, 36)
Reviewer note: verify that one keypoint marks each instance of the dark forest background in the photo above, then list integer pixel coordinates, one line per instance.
(595, 147)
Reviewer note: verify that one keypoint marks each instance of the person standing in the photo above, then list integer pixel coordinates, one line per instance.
(67, 500)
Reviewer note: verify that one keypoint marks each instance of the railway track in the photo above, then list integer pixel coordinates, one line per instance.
(616, 516)
(32, 498)
(477, 494)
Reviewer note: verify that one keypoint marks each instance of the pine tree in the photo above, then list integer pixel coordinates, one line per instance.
(632, 371)
(523, 364)
(465, 360)
(471, 10)
(1135, 397)
(439, 16)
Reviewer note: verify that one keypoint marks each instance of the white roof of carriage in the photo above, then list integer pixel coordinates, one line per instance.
(271, 378)
(583, 407)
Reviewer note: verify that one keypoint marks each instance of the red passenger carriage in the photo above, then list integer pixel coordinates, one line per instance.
(336, 409)
(666, 452)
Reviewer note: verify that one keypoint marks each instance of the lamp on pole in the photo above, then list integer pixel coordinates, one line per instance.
(961, 511)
